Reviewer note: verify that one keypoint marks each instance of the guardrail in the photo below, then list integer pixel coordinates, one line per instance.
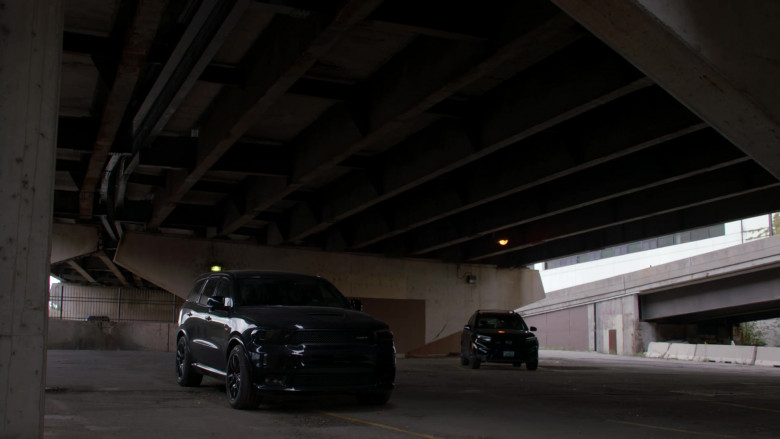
(748, 355)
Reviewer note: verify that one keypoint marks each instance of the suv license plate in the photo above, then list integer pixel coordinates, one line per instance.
(509, 354)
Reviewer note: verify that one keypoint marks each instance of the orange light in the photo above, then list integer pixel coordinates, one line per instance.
(503, 242)
(502, 332)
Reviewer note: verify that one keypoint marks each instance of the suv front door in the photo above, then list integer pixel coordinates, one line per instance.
(200, 346)
(216, 326)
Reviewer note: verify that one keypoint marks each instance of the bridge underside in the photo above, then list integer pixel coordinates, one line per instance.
(400, 129)
(742, 298)
(406, 129)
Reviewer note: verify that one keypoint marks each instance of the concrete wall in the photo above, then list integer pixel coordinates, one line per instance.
(565, 329)
(135, 336)
(405, 317)
(174, 262)
(617, 318)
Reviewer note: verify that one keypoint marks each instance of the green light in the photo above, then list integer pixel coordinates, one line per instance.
(216, 268)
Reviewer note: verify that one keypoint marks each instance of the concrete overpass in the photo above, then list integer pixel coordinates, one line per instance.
(698, 296)
(388, 129)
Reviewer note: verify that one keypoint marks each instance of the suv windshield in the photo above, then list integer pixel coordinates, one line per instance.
(264, 291)
(501, 321)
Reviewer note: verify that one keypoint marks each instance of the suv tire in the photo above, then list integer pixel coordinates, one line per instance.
(240, 389)
(186, 375)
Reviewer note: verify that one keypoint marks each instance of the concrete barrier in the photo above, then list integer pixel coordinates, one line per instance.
(725, 354)
(657, 349)
(767, 356)
(126, 336)
(681, 351)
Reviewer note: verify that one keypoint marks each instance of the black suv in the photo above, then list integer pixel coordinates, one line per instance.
(498, 337)
(262, 331)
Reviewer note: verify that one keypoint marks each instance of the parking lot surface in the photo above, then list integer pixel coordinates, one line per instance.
(113, 394)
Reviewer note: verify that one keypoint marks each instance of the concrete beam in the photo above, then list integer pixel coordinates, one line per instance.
(555, 91)
(729, 79)
(733, 181)
(395, 98)
(424, 156)
(696, 153)
(547, 157)
(139, 40)
(411, 163)
(111, 266)
(71, 241)
(82, 272)
(31, 47)
(282, 54)
(740, 291)
(204, 36)
(717, 212)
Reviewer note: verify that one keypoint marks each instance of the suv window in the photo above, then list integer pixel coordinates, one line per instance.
(195, 292)
(208, 291)
(501, 321)
(258, 291)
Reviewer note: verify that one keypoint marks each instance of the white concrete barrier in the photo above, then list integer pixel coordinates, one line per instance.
(767, 356)
(725, 353)
(681, 351)
(657, 349)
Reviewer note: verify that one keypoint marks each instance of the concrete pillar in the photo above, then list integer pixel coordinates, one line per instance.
(30, 52)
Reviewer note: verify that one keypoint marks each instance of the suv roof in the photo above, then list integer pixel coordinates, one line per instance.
(495, 311)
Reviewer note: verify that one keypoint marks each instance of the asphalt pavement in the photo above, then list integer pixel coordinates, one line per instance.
(130, 394)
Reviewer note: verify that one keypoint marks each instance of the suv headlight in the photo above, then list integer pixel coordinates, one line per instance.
(265, 335)
(384, 336)
(485, 338)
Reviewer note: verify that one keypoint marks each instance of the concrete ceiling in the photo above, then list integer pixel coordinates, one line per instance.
(402, 128)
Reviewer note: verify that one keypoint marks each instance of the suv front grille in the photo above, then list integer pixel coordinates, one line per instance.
(331, 337)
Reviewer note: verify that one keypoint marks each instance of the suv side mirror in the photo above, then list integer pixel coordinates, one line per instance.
(356, 304)
(532, 328)
(217, 303)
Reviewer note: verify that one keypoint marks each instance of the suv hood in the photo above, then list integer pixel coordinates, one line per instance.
(309, 317)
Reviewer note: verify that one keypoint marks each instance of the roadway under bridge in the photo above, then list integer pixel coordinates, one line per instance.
(395, 130)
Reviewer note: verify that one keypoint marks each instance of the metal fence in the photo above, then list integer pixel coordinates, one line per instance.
(76, 302)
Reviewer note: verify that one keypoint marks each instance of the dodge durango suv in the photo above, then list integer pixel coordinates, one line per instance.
(263, 332)
(498, 337)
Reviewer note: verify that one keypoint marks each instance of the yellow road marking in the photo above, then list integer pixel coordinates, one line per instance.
(668, 429)
(745, 406)
(375, 424)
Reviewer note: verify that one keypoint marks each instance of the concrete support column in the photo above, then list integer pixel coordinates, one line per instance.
(30, 53)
